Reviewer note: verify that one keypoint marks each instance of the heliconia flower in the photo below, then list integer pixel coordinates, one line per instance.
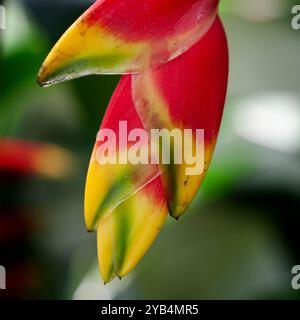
(26, 157)
(178, 56)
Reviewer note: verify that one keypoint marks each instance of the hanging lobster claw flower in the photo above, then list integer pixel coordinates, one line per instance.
(177, 52)
(125, 36)
(122, 200)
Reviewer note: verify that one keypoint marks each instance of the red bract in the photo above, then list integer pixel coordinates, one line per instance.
(125, 36)
(187, 93)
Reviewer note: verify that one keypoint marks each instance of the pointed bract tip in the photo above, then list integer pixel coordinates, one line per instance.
(41, 78)
(174, 217)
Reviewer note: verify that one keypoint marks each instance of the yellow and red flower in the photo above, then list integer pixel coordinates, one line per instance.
(174, 58)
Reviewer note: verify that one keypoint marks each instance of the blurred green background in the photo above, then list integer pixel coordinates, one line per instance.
(240, 238)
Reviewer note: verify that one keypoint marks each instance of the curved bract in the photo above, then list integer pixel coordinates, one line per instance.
(186, 93)
(125, 36)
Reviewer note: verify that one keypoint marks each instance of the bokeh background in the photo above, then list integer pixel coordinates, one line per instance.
(239, 239)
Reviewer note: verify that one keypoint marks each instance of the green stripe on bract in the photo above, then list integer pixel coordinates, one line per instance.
(122, 218)
(114, 194)
(92, 65)
(111, 273)
(169, 175)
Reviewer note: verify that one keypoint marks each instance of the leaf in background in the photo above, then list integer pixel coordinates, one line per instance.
(22, 49)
